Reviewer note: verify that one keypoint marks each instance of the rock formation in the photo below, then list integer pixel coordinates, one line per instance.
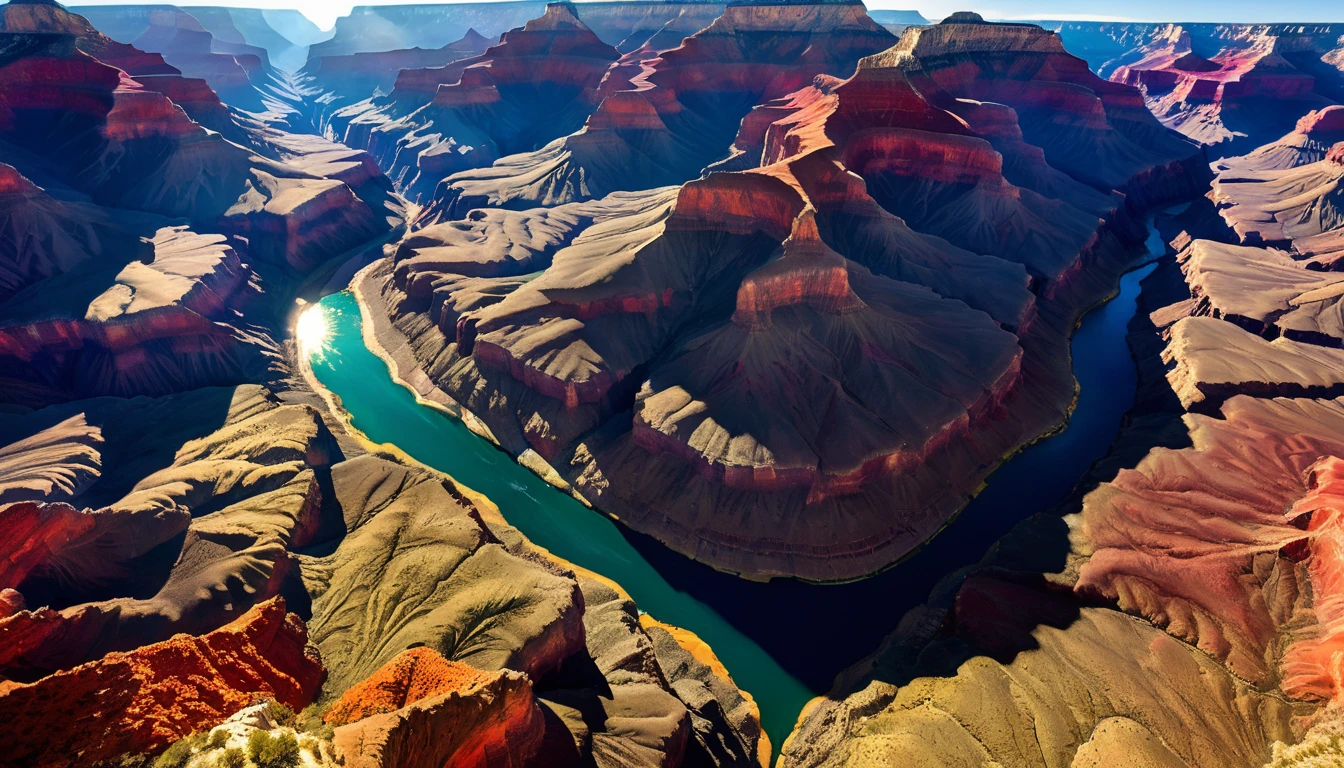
(535, 85)
(679, 111)
(144, 700)
(1213, 361)
(464, 718)
(1233, 86)
(1299, 209)
(879, 247)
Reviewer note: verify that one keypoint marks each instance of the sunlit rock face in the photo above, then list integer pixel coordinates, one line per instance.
(1232, 86)
(894, 231)
(679, 111)
(144, 254)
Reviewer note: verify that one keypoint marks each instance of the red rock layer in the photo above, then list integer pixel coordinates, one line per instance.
(1312, 666)
(1110, 140)
(484, 720)
(35, 534)
(146, 699)
(416, 674)
(806, 271)
(680, 111)
(1323, 121)
(555, 48)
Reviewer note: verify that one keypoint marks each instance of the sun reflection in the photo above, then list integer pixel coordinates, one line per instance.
(312, 331)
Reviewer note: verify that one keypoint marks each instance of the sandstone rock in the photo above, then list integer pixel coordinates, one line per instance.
(1216, 360)
(143, 700)
(1264, 291)
(414, 674)
(181, 534)
(474, 601)
(1298, 209)
(680, 114)
(489, 719)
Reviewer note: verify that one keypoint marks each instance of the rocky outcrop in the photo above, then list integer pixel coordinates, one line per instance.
(179, 527)
(146, 699)
(1264, 291)
(1300, 209)
(464, 718)
(535, 85)
(680, 113)
(1235, 87)
(1213, 361)
(879, 246)
(1309, 142)
(161, 325)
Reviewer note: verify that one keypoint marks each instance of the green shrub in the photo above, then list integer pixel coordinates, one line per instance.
(232, 758)
(218, 738)
(280, 714)
(180, 753)
(311, 717)
(273, 751)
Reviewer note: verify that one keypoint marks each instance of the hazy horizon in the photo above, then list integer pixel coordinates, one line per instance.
(324, 14)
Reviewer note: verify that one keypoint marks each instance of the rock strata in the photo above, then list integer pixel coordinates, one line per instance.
(144, 700)
(824, 257)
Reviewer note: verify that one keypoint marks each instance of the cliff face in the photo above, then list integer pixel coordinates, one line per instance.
(536, 84)
(146, 699)
(464, 718)
(904, 231)
(678, 112)
(234, 70)
(1232, 86)
(131, 147)
(1299, 209)
(1196, 562)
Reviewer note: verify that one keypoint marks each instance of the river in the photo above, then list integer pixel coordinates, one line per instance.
(782, 641)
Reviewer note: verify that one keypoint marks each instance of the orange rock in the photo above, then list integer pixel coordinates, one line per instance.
(146, 699)
(415, 674)
(465, 720)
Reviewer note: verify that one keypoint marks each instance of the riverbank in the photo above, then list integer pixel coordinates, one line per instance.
(782, 641)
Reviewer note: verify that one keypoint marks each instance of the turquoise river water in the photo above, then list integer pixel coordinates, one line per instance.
(782, 641)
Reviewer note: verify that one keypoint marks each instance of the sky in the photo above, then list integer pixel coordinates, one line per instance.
(325, 12)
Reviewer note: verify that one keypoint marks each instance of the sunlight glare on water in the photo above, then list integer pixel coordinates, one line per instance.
(312, 331)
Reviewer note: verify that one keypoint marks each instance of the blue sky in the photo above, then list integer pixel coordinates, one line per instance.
(324, 12)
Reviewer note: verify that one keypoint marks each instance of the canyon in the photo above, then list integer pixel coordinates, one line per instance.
(342, 372)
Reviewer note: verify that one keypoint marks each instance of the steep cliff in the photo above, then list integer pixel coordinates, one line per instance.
(536, 84)
(680, 110)
(879, 246)
(1232, 86)
(144, 700)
